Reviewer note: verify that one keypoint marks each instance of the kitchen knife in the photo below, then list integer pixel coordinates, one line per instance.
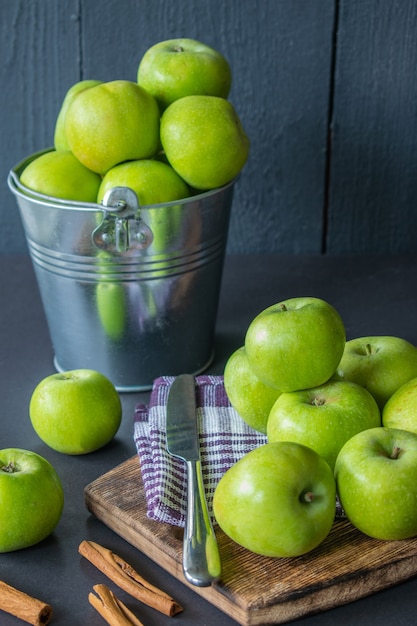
(201, 558)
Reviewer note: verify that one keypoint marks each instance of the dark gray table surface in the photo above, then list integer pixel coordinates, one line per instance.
(375, 295)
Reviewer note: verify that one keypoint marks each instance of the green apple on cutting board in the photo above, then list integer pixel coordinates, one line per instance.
(381, 364)
(376, 477)
(323, 417)
(296, 343)
(278, 500)
(248, 395)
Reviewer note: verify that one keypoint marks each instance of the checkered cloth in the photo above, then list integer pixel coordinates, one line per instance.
(224, 439)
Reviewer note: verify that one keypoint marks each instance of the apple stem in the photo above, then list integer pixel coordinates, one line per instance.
(308, 496)
(395, 452)
(368, 349)
(10, 468)
(178, 49)
(283, 307)
(318, 401)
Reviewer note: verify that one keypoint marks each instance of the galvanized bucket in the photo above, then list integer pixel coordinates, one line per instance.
(130, 291)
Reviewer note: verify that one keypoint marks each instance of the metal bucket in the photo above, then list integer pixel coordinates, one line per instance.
(130, 291)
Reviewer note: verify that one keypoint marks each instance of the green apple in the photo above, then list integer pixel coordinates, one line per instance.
(31, 499)
(75, 412)
(250, 397)
(59, 174)
(278, 500)
(167, 223)
(324, 417)
(296, 344)
(376, 478)
(110, 298)
(400, 411)
(60, 136)
(381, 364)
(111, 308)
(154, 182)
(204, 140)
(175, 68)
(112, 122)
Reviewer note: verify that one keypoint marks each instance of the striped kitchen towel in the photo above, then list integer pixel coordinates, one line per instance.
(224, 439)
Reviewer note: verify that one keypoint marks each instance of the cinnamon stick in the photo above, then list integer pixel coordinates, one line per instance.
(23, 606)
(111, 608)
(123, 574)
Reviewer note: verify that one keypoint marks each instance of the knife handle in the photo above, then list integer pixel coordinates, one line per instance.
(201, 558)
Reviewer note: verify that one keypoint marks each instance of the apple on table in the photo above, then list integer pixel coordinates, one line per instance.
(31, 499)
(278, 500)
(75, 412)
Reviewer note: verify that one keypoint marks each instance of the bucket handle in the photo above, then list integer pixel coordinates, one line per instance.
(122, 227)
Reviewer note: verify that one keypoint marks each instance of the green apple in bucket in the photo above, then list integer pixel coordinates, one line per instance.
(175, 68)
(153, 182)
(156, 186)
(111, 308)
(59, 174)
(60, 136)
(112, 122)
(204, 141)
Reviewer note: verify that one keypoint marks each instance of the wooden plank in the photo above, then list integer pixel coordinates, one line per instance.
(39, 44)
(346, 567)
(374, 129)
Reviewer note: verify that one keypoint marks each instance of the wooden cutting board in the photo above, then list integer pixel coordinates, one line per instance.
(254, 589)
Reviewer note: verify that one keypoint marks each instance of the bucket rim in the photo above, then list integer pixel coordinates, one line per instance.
(18, 189)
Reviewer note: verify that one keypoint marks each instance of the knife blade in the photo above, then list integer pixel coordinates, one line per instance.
(201, 559)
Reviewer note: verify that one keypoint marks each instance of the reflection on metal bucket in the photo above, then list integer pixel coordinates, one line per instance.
(129, 291)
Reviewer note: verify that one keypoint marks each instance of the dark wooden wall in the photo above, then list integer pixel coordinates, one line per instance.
(326, 89)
